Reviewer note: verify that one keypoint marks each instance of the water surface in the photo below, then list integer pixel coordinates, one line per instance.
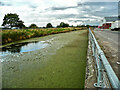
(22, 47)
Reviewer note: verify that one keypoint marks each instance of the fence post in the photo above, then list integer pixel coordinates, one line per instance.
(99, 83)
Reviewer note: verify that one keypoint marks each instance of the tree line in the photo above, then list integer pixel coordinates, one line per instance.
(13, 20)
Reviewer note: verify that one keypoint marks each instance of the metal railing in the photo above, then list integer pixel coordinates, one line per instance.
(106, 77)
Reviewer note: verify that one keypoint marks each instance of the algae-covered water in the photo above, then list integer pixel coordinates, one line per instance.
(60, 63)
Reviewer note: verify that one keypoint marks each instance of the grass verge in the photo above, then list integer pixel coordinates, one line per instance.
(9, 36)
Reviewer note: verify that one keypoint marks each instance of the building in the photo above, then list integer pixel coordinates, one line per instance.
(106, 25)
(116, 25)
(107, 21)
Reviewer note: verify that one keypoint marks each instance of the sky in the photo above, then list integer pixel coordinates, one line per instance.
(74, 12)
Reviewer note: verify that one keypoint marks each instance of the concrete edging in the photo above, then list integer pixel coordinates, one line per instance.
(90, 77)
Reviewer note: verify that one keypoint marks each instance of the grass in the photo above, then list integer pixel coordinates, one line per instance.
(9, 36)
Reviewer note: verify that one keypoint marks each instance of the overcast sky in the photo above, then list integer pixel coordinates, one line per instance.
(74, 12)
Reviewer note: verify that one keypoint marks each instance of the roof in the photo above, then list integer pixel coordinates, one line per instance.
(111, 19)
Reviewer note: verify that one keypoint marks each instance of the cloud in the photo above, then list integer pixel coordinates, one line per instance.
(1, 4)
(62, 8)
(100, 0)
(74, 12)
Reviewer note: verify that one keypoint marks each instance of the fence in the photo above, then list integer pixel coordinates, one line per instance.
(106, 77)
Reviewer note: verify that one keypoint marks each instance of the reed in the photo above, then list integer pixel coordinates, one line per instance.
(9, 36)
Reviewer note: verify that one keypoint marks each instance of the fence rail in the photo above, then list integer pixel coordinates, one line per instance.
(106, 77)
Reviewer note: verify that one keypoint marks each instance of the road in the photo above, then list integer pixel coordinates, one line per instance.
(109, 36)
(109, 43)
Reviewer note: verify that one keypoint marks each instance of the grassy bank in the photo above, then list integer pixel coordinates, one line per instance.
(15, 35)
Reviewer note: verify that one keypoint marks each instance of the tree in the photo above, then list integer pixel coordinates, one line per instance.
(33, 26)
(71, 26)
(20, 24)
(118, 17)
(87, 26)
(49, 25)
(58, 26)
(12, 20)
(62, 24)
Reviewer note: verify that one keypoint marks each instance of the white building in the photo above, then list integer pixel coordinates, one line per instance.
(108, 20)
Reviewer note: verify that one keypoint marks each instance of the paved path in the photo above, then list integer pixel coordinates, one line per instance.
(109, 43)
(109, 36)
